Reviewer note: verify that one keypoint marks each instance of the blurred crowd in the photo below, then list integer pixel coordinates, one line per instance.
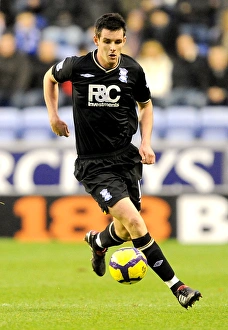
(181, 44)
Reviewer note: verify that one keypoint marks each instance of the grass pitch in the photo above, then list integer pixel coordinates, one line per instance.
(51, 286)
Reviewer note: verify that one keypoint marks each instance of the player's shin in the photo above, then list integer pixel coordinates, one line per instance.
(155, 257)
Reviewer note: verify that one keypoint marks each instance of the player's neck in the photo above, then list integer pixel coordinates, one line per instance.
(106, 65)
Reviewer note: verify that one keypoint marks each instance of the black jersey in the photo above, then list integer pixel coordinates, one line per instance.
(104, 108)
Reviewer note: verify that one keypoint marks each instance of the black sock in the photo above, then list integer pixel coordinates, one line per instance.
(176, 286)
(155, 258)
(108, 238)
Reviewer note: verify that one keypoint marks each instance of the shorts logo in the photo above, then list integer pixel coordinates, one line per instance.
(123, 75)
(106, 195)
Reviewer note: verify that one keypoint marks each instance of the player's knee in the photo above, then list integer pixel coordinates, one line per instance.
(136, 226)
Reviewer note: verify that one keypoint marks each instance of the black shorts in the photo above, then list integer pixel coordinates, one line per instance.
(111, 177)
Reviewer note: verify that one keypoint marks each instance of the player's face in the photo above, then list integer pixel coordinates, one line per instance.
(109, 44)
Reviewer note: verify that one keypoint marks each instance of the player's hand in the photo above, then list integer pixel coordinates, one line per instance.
(60, 128)
(147, 154)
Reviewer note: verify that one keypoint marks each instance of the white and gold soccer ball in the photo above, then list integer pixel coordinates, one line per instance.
(128, 265)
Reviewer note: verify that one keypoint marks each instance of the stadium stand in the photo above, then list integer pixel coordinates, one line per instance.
(181, 123)
(66, 25)
(10, 123)
(214, 123)
(176, 123)
(35, 124)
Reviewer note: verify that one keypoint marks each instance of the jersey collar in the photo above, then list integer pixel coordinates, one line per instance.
(94, 55)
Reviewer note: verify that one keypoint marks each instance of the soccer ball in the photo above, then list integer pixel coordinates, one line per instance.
(128, 265)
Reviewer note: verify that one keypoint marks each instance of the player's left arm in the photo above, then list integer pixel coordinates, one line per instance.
(146, 125)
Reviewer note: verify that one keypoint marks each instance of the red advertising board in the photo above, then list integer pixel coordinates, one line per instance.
(68, 218)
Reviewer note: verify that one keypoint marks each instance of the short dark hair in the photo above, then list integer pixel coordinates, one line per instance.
(110, 21)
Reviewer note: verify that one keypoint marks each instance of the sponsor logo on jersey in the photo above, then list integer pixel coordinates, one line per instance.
(123, 75)
(103, 96)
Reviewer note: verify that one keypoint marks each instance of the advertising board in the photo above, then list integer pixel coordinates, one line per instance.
(48, 168)
(184, 193)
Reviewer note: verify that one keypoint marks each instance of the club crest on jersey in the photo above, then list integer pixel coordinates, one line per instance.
(123, 75)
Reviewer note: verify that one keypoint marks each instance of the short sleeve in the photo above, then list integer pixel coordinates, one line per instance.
(141, 90)
(62, 71)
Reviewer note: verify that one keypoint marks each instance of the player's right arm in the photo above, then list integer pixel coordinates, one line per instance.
(51, 96)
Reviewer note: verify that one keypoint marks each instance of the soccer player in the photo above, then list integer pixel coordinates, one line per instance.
(106, 86)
